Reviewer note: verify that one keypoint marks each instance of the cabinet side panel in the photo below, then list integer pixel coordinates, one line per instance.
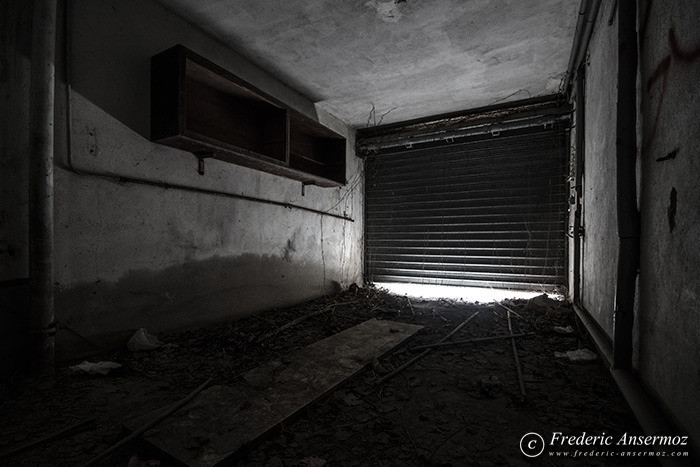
(167, 94)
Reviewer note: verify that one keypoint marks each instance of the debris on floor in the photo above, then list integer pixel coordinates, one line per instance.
(223, 419)
(444, 409)
(379, 368)
(542, 303)
(490, 385)
(142, 340)
(580, 355)
(136, 461)
(98, 368)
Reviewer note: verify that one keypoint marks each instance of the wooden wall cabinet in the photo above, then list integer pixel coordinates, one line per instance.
(199, 107)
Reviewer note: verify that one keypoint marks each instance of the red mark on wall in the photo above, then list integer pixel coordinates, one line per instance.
(677, 53)
(661, 72)
(680, 54)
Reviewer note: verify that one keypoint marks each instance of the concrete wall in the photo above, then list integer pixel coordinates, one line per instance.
(669, 299)
(667, 322)
(599, 245)
(130, 256)
(15, 47)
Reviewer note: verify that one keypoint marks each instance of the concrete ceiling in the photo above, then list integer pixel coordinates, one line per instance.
(393, 60)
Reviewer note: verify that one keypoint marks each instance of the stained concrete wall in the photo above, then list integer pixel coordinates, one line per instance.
(669, 299)
(599, 244)
(130, 256)
(667, 322)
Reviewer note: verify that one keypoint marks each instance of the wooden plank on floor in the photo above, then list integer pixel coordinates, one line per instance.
(224, 420)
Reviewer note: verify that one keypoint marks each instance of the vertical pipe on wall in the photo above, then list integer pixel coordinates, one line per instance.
(578, 180)
(627, 212)
(588, 12)
(41, 142)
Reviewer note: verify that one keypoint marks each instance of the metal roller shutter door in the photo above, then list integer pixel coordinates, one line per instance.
(485, 213)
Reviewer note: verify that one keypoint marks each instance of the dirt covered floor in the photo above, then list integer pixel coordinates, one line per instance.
(460, 405)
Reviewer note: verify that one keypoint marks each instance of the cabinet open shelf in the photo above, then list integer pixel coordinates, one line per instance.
(199, 107)
(310, 146)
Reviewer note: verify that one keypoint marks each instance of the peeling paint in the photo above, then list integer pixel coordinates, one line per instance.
(387, 11)
(289, 248)
(553, 84)
(669, 156)
(673, 200)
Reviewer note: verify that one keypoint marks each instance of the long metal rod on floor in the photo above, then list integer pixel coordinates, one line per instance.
(174, 408)
(64, 432)
(515, 356)
(476, 339)
(425, 352)
(508, 309)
